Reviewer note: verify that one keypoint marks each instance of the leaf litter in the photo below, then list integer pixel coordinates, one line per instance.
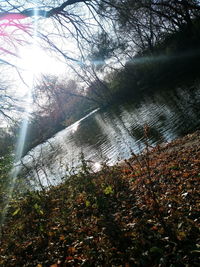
(144, 212)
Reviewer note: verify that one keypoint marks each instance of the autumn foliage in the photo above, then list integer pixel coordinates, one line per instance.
(143, 212)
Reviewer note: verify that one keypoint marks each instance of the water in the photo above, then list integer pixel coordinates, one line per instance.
(112, 134)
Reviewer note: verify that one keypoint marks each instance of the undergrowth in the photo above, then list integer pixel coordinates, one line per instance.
(140, 213)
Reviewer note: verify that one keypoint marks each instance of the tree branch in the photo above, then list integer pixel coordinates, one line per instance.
(31, 12)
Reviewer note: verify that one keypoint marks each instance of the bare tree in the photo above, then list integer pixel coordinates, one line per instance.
(9, 103)
(77, 19)
(66, 19)
(55, 24)
(145, 22)
(67, 28)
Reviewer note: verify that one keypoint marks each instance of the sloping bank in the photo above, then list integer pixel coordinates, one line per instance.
(140, 213)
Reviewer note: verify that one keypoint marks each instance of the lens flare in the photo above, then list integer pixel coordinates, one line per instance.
(23, 131)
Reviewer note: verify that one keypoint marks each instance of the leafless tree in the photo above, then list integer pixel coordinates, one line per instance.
(77, 19)
(9, 103)
(57, 24)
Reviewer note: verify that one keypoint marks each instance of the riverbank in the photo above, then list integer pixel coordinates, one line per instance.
(140, 213)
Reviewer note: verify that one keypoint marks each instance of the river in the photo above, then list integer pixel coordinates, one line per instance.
(112, 134)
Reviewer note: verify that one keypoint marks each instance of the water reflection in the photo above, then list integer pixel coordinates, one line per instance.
(114, 133)
(82, 137)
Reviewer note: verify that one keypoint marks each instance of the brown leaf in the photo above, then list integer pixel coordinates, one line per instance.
(62, 237)
(71, 250)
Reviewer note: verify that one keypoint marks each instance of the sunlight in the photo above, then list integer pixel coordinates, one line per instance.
(33, 59)
(31, 63)
(97, 166)
(35, 62)
(74, 127)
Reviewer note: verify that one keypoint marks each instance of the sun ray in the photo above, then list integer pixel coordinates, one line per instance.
(23, 131)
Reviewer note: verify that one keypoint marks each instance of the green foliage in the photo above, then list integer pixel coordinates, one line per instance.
(16, 212)
(7, 140)
(5, 179)
(108, 190)
(38, 209)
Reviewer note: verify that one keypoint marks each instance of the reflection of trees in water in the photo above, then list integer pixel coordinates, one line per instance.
(124, 126)
(117, 131)
(87, 133)
(168, 114)
(135, 122)
(184, 105)
(154, 135)
(43, 164)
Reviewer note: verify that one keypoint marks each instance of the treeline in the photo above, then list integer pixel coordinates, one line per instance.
(174, 62)
(159, 41)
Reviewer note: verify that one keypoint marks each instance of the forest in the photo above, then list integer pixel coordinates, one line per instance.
(140, 212)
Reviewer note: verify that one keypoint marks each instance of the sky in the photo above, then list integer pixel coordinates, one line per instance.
(34, 61)
(28, 53)
(31, 55)
(30, 58)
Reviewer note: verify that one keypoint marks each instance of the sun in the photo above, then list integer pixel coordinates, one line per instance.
(35, 60)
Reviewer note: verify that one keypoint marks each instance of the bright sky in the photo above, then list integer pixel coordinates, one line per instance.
(32, 63)
(25, 52)
(35, 61)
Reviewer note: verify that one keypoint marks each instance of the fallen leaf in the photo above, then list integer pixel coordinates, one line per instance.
(71, 250)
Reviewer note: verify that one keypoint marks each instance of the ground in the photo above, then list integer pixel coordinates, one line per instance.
(144, 212)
